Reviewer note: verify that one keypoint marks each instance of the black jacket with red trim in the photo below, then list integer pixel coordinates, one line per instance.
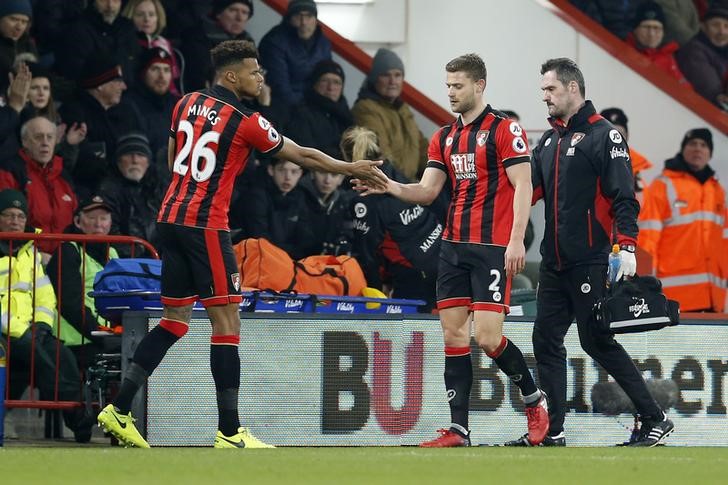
(583, 172)
(388, 231)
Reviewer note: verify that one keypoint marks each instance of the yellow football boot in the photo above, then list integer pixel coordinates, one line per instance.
(121, 427)
(242, 439)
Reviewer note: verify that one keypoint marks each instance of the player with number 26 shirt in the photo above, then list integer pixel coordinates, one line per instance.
(211, 138)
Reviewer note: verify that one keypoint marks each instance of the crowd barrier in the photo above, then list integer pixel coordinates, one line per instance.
(369, 380)
(15, 239)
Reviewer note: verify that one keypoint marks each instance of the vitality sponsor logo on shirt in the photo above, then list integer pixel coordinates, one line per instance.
(619, 152)
(463, 164)
(410, 214)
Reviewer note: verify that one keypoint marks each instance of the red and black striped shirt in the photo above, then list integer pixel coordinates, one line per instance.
(475, 157)
(214, 135)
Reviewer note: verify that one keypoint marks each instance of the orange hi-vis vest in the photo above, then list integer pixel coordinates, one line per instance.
(683, 226)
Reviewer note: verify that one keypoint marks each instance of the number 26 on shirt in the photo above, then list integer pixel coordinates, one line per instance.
(203, 159)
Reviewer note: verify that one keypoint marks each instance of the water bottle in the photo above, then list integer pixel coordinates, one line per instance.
(613, 266)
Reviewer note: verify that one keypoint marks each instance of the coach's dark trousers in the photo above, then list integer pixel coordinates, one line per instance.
(562, 296)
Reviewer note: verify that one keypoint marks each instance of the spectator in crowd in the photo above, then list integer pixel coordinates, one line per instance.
(40, 97)
(41, 103)
(291, 49)
(28, 304)
(100, 30)
(381, 109)
(277, 212)
(647, 38)
(15, 17)
(227, 21)
(134, 190)
(330, 212)
(391, 237)
(704, 59)
(154, 99)
(72, 271)
(615, 16)
(681, 20)
(107, 115)
(150, 20)
(38, 173)
(639, 162)
(10, 108)
(324, 113)
(682, 225)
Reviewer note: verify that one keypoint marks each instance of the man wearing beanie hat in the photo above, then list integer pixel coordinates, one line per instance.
(639, 162)
(681, 227)
(289, 52)
(381, 109)
(36, 171)
(647, 38)
(31, 304)
(324, 115)
(15, 17)
(106, 113)
(153, 98)
(100, 29)
(704, 59)
(227, 20)
(134, 190)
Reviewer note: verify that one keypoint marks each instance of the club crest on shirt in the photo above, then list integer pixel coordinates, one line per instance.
(235, 278)
(481, 137)
(576, 138)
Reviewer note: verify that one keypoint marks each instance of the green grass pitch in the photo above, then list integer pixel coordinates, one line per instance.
(481, 465)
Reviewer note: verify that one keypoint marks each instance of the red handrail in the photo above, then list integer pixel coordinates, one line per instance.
(637, 62)
(131, 240)
(362, 61)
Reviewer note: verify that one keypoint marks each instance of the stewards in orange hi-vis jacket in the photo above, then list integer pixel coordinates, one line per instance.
(683, 226)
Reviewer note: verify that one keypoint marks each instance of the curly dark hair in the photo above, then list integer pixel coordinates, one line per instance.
(231, 52)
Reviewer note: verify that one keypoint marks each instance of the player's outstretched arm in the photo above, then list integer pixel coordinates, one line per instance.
(423, 192)
(314, 159)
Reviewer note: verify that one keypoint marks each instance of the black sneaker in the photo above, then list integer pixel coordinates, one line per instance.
(558, 440)
(652, 432)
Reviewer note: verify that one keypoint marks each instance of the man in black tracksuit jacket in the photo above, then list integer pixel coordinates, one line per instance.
(581, 168)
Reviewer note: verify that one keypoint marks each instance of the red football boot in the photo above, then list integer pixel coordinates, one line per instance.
(538, 421)
(447, 439)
